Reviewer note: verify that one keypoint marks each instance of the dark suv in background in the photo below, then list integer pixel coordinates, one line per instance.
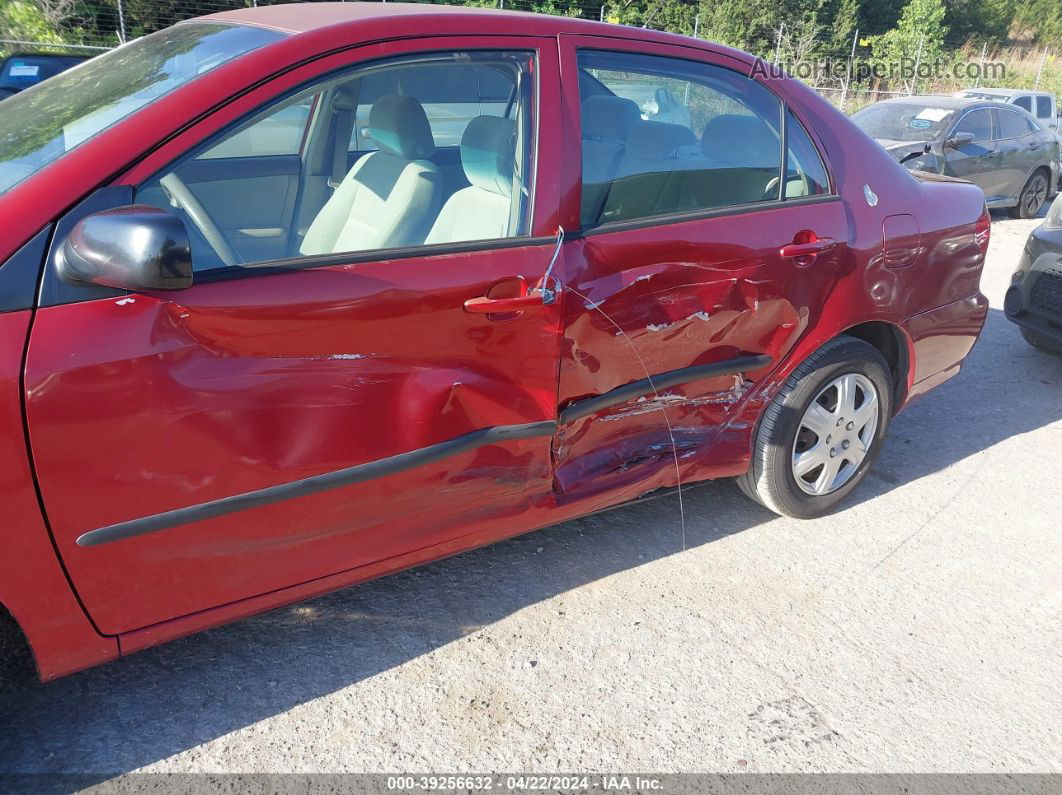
(1034, 299)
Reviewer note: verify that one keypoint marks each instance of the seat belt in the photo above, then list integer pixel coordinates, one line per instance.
(342, 126)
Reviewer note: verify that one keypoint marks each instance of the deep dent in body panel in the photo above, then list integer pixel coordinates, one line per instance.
(683, 306)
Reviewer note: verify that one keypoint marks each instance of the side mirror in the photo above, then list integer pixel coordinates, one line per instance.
(959, 140)
(136, 247)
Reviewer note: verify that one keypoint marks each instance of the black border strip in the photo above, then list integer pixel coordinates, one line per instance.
(318, 483)
(296, 264)
(649, 386)
(668, 219)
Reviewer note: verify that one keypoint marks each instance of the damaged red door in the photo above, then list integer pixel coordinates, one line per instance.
(710, 238)
(262, 429)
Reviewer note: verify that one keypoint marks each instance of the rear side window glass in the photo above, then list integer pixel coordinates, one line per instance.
(1043, 107)
(1024, 102)
(1013, 125)
(805, 175)
(977, 122)
(665, 135)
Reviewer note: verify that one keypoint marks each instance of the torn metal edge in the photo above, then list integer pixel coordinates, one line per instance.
(652, 385)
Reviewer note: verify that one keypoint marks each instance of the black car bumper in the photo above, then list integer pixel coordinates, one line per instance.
(1034, 298)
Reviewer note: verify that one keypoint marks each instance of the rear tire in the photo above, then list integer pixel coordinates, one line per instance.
(1032, 196)
(822, 432)
(1040, 342)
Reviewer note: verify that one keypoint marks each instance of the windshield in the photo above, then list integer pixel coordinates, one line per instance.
(23, 71)
(903, 123)
(39, 125)
(982, 95)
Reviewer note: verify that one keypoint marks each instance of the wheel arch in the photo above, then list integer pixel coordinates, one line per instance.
(893, 343)
(17, 659)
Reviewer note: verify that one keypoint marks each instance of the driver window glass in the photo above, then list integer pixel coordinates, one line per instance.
(1024, 102)
(664, 135)
(279, 133)
(423, 150)
(978, 123)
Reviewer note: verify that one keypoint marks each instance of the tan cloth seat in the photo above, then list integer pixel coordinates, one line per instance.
(390, 197)
(482, 210)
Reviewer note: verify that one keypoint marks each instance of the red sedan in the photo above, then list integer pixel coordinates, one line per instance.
(297, 296)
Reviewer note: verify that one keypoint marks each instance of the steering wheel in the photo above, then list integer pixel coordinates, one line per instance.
(186, 200)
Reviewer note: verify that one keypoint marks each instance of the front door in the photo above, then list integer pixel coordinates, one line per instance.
(979, 160)
(328, 394)
(702, 257)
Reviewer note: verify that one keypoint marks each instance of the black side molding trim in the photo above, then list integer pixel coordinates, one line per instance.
(649, 386)
(318, 483)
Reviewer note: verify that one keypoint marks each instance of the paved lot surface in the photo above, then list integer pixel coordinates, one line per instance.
(918, 629)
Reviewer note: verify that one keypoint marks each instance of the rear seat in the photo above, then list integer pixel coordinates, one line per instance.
(663, 168)
(746, 150)
(649, 177)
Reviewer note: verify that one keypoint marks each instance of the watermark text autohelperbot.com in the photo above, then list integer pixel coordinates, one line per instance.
(905, 68)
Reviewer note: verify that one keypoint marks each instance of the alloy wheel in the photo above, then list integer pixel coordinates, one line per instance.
(835, 434)
(1035, 195)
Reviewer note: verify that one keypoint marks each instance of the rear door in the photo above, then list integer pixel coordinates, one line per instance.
(698, 263)
(1020, 150)
(285, 420)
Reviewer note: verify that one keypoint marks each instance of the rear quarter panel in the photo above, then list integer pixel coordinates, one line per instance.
(945, 270)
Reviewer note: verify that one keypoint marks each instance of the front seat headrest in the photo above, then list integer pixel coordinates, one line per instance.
(398, 126)
(742, 140)
(607, 118)
(488, 149)
(658, 140)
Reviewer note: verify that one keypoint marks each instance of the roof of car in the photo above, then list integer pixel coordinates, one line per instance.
(933, 100)
(303, 17)
(1002, 92)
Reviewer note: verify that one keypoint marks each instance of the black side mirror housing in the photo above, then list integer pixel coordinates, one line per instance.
(959, 140)
(136, 247)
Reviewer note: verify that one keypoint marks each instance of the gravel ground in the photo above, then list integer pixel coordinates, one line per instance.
(918, 629)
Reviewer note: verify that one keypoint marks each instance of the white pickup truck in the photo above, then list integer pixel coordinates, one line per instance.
(1040, 104)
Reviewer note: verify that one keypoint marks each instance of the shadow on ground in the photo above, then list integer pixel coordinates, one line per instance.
(135, 711)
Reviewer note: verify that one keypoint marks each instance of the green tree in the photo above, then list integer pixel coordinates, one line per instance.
(1042, 19)
(879, 17)
(24, 21)
(843, 20)
(983, 20)
(918, 37)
